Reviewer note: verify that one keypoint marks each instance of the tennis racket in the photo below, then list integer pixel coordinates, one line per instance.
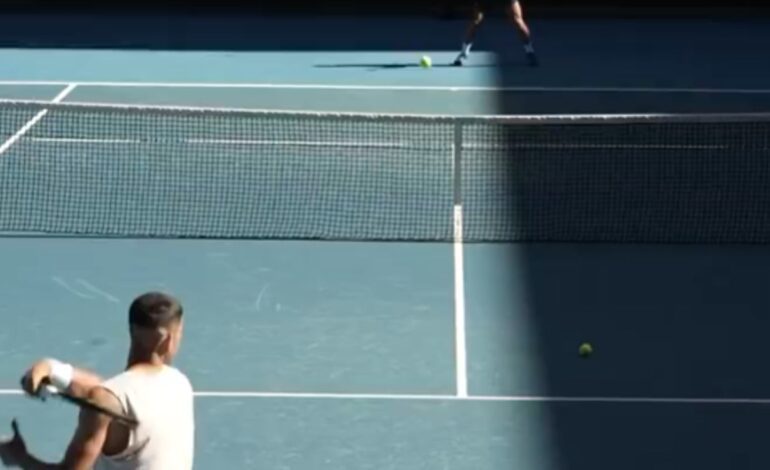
(48, 390)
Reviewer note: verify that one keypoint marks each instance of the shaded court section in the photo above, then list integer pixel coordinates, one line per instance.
(667, 321)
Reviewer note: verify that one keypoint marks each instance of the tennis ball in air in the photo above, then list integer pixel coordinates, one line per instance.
(585, 350)
(425, 62)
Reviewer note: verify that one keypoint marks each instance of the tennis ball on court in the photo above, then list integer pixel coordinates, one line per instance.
(585, 349)
(426, 62)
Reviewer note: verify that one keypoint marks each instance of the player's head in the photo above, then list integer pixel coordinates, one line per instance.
(155, 321)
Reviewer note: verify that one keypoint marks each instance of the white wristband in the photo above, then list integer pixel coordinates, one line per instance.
(61, 374)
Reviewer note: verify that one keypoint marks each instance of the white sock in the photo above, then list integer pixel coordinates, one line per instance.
(466, 50)
(529, 48)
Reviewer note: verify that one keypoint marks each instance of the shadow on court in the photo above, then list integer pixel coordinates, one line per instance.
(666, 320)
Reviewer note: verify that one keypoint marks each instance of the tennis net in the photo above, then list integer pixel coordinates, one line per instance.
(135, 171)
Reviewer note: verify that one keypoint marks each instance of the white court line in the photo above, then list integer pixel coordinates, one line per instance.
(309, 143)
(26, 127)
(489, 398)
(325, 86)
(78, 140)
(287, 143)
(470, 398)
(353, 144)
(461, 349)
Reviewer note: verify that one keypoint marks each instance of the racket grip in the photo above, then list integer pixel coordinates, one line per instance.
(46, 390)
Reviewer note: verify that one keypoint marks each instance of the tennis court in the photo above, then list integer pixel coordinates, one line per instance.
(421, 352)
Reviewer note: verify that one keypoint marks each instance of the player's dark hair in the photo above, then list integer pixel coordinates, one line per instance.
(154, 310)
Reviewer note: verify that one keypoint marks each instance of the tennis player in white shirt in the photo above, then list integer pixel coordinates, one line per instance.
(152, 392)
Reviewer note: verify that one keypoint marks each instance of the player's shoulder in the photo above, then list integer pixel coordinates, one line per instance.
(181, 377)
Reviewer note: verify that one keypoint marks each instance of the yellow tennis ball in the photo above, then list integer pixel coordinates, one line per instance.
(425, 62)
(586, 349)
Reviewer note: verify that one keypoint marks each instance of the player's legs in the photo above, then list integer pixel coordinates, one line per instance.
(473, 26)
(516, 14)
(470, 33)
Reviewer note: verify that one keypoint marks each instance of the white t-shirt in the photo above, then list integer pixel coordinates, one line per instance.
(162, 402)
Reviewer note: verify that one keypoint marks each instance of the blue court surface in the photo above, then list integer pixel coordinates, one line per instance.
(310, 355)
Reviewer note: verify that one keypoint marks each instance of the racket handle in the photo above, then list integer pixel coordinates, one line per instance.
(46, 390)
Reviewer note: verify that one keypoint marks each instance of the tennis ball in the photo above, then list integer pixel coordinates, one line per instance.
(585, 349)
(425, 62)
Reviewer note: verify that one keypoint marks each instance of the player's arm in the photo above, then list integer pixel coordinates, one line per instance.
(80, 382)
(84, 448)
(87, 442)
(83, 382)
